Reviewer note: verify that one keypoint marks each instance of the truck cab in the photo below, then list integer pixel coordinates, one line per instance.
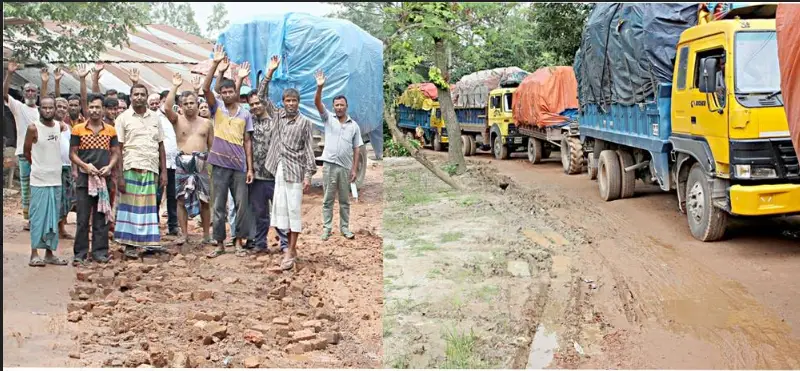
(502, 132)
(728, 119)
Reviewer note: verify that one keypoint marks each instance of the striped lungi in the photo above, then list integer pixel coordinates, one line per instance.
(137, 212)
(25, 184)
(287, 202)
(67, 191)
(45, 212)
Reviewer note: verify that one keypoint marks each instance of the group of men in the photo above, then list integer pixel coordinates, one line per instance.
(112, 164)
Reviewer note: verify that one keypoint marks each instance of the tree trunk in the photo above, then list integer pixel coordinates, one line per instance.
(415, 152)
(455, 147)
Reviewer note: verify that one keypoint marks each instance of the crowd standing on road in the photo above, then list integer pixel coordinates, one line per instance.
(112, 164)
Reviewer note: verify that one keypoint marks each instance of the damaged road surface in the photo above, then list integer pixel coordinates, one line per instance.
(630, 288)
(184, 310)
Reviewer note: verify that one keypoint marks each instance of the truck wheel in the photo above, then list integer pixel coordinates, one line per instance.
(592, 170)
(535, 150)
(437, 142)
(500, 150)
(609, 175)
(473, 147)
(362, 167)
(706, 222)
(571, 155)
(628, 178)
(465, 145)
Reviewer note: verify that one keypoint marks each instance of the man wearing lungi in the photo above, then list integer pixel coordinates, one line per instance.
(24, 114)
(340, 160)
(231, 157)
(42, 149)
(194, 137)
(291, 161)
(143, 163)
(265, 120)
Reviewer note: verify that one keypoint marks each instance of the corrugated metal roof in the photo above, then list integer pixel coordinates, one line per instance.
(157, 51)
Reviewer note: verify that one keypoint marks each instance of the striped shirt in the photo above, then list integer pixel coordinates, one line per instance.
(291, 142)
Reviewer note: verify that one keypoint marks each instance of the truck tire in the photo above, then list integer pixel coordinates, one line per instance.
(706, 222)
(571, 155)
(535, 150)
(628, 178)
(473, 146)
(437, 142)
(592, 170)
(465, 145)
(609, 175)
(362, 166)
(499, 149)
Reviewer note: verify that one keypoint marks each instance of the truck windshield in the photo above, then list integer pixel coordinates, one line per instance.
(756, 65)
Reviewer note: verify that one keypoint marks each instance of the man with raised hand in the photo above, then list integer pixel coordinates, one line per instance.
(231, 157)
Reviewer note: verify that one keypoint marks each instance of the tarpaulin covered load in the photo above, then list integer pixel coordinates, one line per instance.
(419, 96)
(350, 57)
(544, 95)
(472, 91)
(627, 49)
(787, 25)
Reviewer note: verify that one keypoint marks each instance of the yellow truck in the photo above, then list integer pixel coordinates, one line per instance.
(419, 116)
(709, 125)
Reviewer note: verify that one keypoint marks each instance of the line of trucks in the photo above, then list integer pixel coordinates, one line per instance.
(683, 96)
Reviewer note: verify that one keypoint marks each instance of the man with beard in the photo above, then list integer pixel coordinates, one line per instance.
(263, 186)
(233, 127)
(142, 170)
(195, 136)
(291, 161)
(42, 149)
(94, 149)
(24, 115)
(340, 160)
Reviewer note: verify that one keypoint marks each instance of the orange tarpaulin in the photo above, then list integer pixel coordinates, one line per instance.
(427, 88)
(787, 25)
(543, 95)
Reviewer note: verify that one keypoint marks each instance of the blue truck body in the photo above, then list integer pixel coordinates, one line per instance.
(470, 119)
(410, 118)
(645, 126)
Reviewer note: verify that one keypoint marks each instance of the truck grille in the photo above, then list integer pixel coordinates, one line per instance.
(767, 152)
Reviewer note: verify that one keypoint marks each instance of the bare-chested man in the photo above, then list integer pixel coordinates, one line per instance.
(194, 136)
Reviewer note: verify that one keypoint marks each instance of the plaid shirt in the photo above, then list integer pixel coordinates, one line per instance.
(292, 141)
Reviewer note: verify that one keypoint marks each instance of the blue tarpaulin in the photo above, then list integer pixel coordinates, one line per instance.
(351, 58)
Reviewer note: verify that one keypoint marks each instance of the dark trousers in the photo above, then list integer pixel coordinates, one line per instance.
(87, 205)
(234, 181)
(172, 202)
(261, 192)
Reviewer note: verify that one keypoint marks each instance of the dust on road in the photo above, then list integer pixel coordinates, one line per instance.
(183, 310)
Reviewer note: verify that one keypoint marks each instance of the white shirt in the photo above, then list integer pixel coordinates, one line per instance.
(23, 116)
(170, 140)
(45, 159)
(340, 140)
(65, 138)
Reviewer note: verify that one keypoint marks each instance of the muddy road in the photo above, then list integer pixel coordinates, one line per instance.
(184, 310)
(639, 291)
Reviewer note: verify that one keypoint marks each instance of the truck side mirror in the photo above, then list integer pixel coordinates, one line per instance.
(708, 78)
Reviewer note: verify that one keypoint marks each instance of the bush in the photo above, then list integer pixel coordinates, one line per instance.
(395, 149)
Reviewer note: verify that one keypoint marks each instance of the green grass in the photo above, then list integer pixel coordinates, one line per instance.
(469, 200)
(452, 237)
(419, 247)
(487, 293)
(389, 255)
(400, 306)
(388, 326)
(460, 351)
(436, 273)
(400, 362)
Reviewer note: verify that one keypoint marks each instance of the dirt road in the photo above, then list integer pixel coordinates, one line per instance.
(183, 310)
(643, 293)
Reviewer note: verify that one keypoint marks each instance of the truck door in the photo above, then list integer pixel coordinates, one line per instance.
(708, 119)
(682, 95)
(495, 110)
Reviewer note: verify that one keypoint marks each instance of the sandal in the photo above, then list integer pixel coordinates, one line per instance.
(326, 234)
(216, 253)
(55, 260)
(37, 262)
(287, 264)
(208, 241)
(348, 235)
(241, 252)
(131, 253)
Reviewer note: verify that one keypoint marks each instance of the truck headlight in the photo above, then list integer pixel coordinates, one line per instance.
(749, 172)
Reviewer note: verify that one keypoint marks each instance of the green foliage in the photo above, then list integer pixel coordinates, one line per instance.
(395, 149)
(85, 28)
(218, 21)
(178, 15)
(450, 169)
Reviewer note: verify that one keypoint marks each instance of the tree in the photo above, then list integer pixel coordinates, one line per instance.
(82, 29)
(218, 21)
(557, 29)
(178, 15)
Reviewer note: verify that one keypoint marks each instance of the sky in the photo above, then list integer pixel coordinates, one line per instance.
(245, 11)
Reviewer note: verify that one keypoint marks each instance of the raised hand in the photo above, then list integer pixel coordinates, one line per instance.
(98, 66)
(45, 74)
(274, 62)
(82, 71)
(58, 73)
(223, 66)
(219, 53)
(133, 74)
(196, 81)
(320, 76)
(244, 70)
(13, 66)
(177, 79)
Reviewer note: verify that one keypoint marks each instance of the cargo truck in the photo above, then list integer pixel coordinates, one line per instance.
(690, 105)
(419, 116)
(545, 107)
